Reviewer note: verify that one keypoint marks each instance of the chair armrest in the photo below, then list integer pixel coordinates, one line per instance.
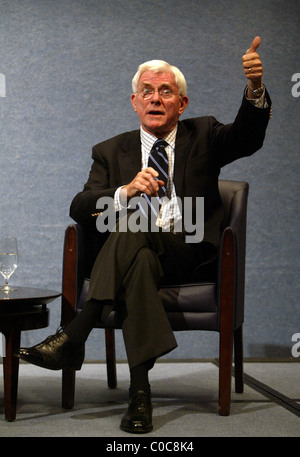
(81, 247)
(238, 223)
(71, 272)
(231, 277)
(227, 265)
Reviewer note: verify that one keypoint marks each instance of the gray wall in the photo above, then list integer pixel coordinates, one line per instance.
(68, 67)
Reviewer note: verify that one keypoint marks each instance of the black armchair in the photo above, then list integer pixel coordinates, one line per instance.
(213, 306)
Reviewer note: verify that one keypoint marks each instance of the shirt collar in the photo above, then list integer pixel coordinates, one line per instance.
(148, 139)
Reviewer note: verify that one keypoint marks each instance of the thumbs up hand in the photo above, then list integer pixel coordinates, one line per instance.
(254, 45)
(252, 66)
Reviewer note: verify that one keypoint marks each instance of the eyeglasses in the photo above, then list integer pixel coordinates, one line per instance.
(147, 93)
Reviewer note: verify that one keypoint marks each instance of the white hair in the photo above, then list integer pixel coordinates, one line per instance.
(159, 66)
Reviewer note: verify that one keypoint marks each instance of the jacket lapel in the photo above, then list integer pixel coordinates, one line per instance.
(130, 157)
(182, 146)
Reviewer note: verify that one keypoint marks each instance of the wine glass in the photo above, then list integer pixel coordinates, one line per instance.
(8, 259)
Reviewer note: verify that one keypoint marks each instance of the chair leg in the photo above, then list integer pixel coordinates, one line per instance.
(227, 288)
(68, 305)
(111, 358)
(68, 388)
(11, 373)
(225, 367)
(238, 360)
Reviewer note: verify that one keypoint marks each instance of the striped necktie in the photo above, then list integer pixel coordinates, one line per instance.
(158, 160)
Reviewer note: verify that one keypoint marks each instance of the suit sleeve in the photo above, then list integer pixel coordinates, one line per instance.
(84, 205)
(244, 136)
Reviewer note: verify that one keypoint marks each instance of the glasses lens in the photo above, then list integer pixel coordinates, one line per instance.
(164, 93)
(147, 93)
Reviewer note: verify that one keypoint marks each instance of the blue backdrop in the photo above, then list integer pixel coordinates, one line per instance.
(66, 69)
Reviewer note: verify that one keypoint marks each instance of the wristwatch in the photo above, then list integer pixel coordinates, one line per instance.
(257, 92)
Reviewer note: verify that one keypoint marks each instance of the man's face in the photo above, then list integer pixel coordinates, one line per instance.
(158, 115)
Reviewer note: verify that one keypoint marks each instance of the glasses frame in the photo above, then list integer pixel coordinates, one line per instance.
(160, 92)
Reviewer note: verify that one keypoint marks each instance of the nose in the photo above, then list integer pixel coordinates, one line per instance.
(156, 97)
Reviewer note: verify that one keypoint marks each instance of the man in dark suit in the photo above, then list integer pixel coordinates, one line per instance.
(132, 264)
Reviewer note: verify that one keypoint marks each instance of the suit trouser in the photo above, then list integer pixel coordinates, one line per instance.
(128, 272)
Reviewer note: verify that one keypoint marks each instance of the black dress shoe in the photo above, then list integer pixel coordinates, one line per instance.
(55, 352)
(138, 417)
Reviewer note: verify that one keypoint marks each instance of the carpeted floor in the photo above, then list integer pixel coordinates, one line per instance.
(185, 401)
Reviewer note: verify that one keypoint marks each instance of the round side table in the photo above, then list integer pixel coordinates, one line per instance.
(24, 308)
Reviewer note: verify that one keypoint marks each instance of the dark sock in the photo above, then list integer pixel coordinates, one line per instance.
(80, 327)
(139, 378)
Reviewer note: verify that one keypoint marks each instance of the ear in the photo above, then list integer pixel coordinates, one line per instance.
(133, 101)
(183, 104)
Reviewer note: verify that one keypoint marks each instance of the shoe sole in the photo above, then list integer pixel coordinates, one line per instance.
(136, 430)
(49, 367)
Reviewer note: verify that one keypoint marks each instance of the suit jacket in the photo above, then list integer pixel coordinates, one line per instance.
(203, 146)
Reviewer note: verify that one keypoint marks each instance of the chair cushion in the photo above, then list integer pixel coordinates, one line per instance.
(198, 297)
(188, 306)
